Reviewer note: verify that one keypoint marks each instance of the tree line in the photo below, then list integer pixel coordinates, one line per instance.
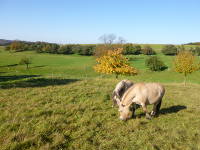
(95, 49)
(53, 48)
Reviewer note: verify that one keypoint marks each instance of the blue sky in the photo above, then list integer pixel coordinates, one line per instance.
(84, 21)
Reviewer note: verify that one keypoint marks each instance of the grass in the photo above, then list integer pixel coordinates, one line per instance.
(78, 115)
(61, 103)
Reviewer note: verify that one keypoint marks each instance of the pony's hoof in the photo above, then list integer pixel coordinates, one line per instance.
(153, 113)
(134, 117)
(148, 117)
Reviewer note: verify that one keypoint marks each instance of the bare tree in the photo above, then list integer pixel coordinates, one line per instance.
(111, 38)
(108, 38)
(121, 40)
(104, 39)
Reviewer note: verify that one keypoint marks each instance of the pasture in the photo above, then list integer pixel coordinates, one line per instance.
(61, 103)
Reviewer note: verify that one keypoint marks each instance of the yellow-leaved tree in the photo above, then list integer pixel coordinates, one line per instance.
(114, 63)
(185, 62)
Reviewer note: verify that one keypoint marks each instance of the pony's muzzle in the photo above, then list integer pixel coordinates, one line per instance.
(121, 118)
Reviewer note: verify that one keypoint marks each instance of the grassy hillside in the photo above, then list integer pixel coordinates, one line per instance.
(78, 115)
(61, 103)
(81, 67)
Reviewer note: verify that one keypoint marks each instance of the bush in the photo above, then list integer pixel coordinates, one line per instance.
(76, 49)
(137, 50)
(197, 51)
(130, 49)
(87, 50)
(66, 49)
(127, 49)
(147, 50)
(155, 64)
(17, 46)
(169, 50)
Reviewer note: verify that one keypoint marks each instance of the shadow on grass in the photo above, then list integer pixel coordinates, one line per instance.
(38, 66)
(2, 72)
(13, 65)
(172, 109)
(38, 82)
(16, 77)
(169, 110)
(163, 68)
(135, 58)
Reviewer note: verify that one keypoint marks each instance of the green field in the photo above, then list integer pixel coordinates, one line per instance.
(61, 103)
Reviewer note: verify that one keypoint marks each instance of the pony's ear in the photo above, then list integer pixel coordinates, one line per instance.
(118, 101)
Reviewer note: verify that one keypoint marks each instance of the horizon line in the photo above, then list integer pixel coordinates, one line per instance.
(97, 43)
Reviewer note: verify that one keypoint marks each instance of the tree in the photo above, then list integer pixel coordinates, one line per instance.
(121, 40)
(195, 51)
(169, 50)
(46, 48)
(107, 38)
(185, 62)
(17, 46)
(127, 49)
(155, 64)
(87, 50)
(137, 50)
(103, 39)
(114, 63)
(66, 49)
(130, 49)
(25, 61)
(77, 49)
(111, 38)
(147, 50)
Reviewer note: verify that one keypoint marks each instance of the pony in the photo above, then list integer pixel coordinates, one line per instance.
(119, 90)
(142, 94)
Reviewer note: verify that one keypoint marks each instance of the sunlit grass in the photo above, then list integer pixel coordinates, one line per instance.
(61, 103)
(78, 115)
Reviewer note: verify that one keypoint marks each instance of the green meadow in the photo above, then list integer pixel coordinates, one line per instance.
(61, 103)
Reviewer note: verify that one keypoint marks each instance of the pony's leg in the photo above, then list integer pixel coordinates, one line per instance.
(156, 108)
(153, 112)
(144, 107)
(133, 111)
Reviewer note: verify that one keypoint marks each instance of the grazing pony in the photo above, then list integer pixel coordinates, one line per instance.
(142, 94)
(119, 90)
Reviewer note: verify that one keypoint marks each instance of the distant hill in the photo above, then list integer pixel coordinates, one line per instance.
(193, 43)
(4, 42)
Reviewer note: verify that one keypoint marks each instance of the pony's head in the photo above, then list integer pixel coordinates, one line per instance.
(125, 111)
